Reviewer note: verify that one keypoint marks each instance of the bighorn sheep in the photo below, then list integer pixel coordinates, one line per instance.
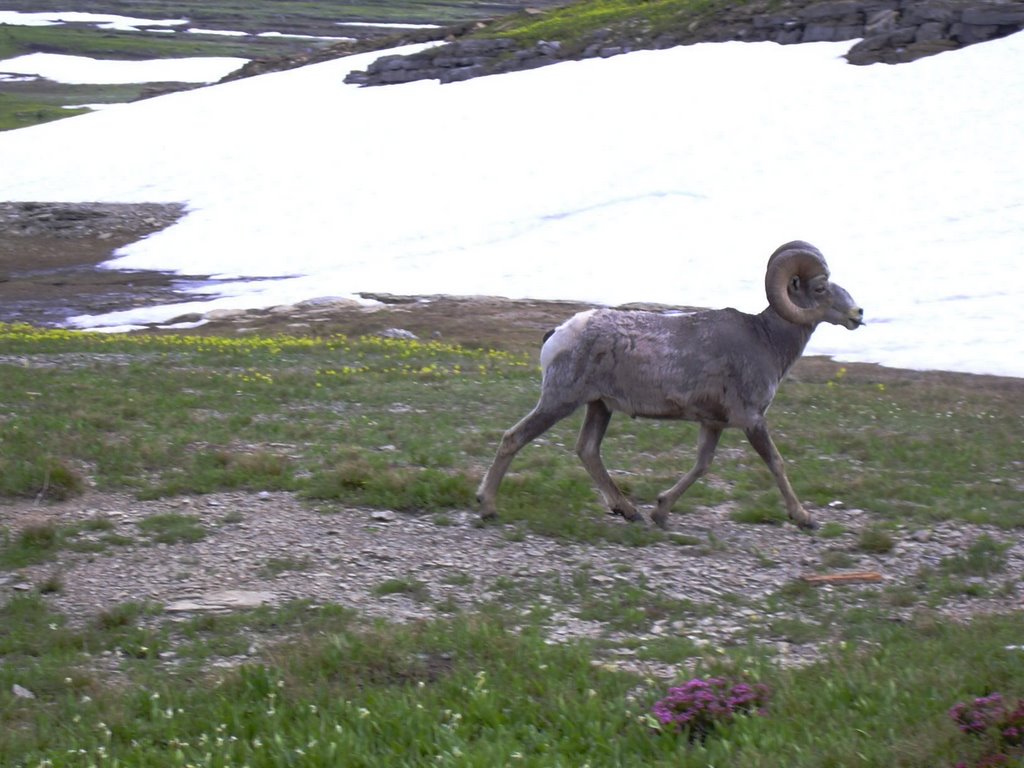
(719, 367)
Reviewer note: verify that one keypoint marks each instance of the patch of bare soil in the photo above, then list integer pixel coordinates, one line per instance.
(50, 255)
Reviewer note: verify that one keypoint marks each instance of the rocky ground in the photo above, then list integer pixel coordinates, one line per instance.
(268, 548)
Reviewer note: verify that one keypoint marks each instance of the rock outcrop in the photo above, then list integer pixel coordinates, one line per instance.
(889, 31)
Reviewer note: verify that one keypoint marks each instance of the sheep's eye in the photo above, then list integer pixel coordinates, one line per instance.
(820, 289)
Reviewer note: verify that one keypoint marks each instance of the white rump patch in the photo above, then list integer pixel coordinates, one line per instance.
(564, 337)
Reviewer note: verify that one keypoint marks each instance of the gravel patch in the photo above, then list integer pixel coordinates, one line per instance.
(271, 548)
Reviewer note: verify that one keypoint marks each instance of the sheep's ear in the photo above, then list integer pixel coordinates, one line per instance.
(794, 283)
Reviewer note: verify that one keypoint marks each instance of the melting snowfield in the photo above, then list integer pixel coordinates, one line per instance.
(661, 176)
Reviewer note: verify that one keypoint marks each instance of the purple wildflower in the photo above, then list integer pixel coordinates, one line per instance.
(991, 718)
(1013, 726)
(697, 706)
(978, 717)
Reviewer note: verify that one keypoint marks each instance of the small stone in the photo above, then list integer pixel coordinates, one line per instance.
(190, 317)
(921, 536)
(182, 606)
(221, 601)
(398, 333)
(22, 693)
(383, 516)
(225, 314)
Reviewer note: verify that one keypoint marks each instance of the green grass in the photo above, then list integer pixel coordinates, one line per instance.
(875, 540)
(575, 24)
(831, 530)
(34, 543)
(275, 566)
(412, 588)
(985, 557)
(411, 426)
(39, 542)
(172, 528)
(105, 44)
(466, 691)
(20, 112)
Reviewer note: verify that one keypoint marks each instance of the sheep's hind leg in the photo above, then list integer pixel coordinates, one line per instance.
(707, 442)
(535, 423)
(588, 448)
(763, 444)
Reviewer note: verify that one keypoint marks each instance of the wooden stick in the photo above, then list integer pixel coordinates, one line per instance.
(850, 577)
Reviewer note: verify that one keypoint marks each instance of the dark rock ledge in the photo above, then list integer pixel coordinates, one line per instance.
(890, 32)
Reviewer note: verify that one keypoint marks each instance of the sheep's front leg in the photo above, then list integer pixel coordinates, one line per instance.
(535, 423)
(707, 442)
(763, 444)
(588, 448)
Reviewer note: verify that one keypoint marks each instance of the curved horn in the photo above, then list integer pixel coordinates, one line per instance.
(795, 259)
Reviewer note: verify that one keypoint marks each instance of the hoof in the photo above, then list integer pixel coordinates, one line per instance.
(630, 512)
(661, 522)
(660, 516)
(808, 524)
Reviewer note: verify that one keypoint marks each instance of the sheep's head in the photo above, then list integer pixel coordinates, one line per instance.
(799, 290)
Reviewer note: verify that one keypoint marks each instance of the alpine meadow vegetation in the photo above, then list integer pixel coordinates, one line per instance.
(409, 425)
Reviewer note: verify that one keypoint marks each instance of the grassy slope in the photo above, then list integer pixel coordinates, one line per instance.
(472, 691)
(878, 442)
(178, 414)
(623, 19)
